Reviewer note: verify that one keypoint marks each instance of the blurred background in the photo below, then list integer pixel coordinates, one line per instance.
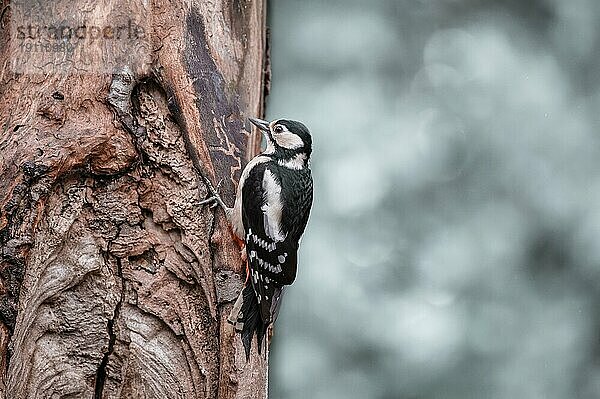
(454, 246)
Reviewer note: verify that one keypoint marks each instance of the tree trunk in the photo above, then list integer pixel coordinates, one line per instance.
(114, 281)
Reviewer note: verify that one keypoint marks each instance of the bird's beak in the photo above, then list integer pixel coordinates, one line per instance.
(259, 123)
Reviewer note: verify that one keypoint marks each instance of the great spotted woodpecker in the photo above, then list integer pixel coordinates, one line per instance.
(271, 209)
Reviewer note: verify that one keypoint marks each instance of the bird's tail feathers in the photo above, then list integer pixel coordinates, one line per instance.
(246, 319)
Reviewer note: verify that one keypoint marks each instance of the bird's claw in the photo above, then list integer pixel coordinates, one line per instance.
(215, 198)
(212, 201)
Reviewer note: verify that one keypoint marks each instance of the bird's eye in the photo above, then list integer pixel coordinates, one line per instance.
(278, 129)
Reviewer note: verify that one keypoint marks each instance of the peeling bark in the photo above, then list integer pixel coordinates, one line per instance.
(114, 281)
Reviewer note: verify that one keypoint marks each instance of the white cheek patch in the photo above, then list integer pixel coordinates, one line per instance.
(273, 208)
(288, 140)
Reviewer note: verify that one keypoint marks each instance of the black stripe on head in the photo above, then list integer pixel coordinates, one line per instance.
(301, 130)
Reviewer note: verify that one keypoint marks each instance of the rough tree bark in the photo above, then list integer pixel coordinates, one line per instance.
(114, 282)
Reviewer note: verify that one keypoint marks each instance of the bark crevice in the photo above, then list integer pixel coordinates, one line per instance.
(112, 337)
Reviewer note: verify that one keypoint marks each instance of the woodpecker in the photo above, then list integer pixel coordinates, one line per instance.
(272, 205)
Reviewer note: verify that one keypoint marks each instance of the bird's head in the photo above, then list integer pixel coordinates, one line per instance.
(285, 138)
